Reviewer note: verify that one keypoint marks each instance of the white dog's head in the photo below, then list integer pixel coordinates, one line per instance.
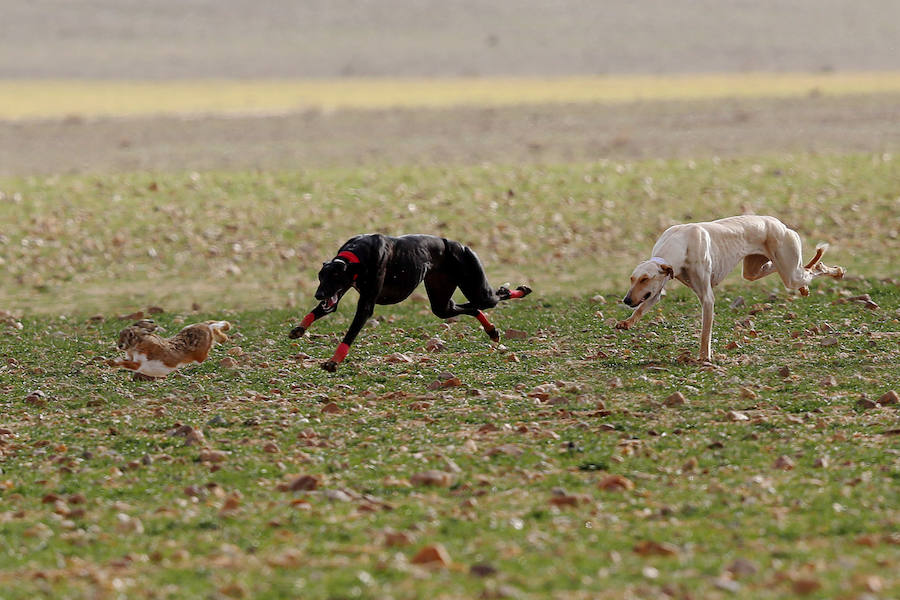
(647, 281)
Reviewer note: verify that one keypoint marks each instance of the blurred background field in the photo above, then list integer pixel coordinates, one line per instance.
(173, 149)
(108, 86)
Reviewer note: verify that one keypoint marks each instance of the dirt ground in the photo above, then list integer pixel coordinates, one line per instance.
(534, 134)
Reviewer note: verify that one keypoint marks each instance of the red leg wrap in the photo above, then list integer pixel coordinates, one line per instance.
(307, 321)
(482, 318)
(516, 294)
(341, 352)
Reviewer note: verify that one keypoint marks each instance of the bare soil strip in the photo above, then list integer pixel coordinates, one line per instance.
(532, 134)
(64, 98)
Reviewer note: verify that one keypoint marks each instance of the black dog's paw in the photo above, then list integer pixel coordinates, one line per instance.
(494, 335)
(330, 366)
(503, 292)
(297, 332)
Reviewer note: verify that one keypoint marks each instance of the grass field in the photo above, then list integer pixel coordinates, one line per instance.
(561, 467)
(89, 244)
(45, 99)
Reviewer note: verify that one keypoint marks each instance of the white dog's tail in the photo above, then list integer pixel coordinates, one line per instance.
(218, 330)
(821, 247)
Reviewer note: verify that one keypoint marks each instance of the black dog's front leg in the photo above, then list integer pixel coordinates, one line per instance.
(364, 310)
(317, 313)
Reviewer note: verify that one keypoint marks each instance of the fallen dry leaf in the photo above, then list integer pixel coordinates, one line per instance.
(616, 483)
(865, 404)
(676, 399)
(213, 456)
(784, 463)
(564, 500)
(332, 408)
(434, 554)
(652, 548)
(435, 344)
(393, 539)
(432, 477)
(194, 437)
(301, 483)
(865, 299)
(748, 394)
(444, 383)
(870, 540)
(821, 463)
(741, 567)
(482, 570)
(398, 357)
(888, 398)
(805, 585)
(508, 449)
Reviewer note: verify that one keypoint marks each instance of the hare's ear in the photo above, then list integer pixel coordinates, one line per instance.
(668, 270)
(146, 324)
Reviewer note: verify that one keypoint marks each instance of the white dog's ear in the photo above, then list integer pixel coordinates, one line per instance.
(668, 270)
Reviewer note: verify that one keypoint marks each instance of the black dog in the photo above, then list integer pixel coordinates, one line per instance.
(386, 270)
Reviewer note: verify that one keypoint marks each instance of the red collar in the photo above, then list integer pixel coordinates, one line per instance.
(349, 257)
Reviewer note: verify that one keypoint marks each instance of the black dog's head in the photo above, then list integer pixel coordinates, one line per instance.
(334, 280)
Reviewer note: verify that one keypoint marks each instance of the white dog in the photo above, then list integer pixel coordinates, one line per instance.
(700, 255)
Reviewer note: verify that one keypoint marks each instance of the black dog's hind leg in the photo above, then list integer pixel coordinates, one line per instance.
(473, 282)
(467, 272)
(508, 294)
(364, 310)
(317, 313)
(440, 288)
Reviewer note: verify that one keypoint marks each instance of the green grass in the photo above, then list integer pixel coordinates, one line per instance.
(80, 244)
(705, 483)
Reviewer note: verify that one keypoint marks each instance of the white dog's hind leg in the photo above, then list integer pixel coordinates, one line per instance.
(788, 262)
(757, 266)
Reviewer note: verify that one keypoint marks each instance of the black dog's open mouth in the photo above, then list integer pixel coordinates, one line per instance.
(331, 302)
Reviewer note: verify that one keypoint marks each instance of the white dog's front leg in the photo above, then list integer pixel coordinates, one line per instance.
(708, 303)
(640, 310)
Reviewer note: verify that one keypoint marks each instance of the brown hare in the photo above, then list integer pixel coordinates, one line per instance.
(154, 356)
